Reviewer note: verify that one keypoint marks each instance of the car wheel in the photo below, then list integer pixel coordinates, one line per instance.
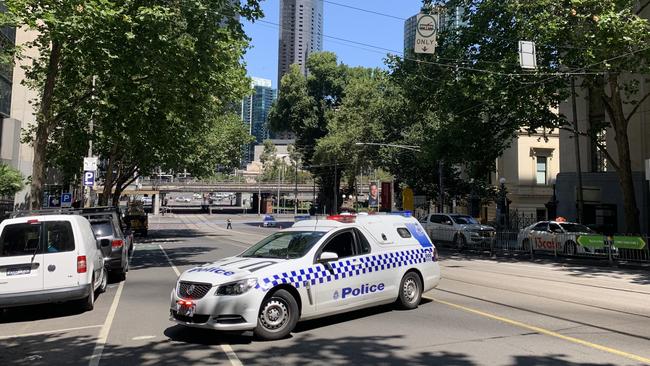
(570, 248)
(277, 317)
(410, 291)
(102, 287)
(459, 242)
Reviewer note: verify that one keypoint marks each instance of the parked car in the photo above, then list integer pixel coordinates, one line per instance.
(197, 196)
(51, 258)
(106, 224)
(457, 229)
(269, 221)
(183, 199)
(561, 237)
(135, 219)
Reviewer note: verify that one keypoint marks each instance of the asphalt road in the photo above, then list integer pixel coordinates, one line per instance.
(484, 312)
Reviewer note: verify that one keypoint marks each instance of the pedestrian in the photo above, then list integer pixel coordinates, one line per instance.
(229, 226)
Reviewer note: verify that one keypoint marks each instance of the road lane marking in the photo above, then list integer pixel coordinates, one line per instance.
(142, 338)
(106, 328)
(544, 331)
(232, 357)
(64, 330)
(178, 273)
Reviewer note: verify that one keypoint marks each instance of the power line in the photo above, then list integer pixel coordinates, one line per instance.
(364, 10)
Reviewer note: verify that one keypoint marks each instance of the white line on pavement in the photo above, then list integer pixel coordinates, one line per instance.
(106, 328)
(50, 332)
(178, 273)
(232, 357)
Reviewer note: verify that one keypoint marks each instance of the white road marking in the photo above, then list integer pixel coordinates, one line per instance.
(178, 273)
(106, 328)
(50, 332)
(142, 338)
(232, 357)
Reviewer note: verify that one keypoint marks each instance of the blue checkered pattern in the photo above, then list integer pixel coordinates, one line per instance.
(345, 268)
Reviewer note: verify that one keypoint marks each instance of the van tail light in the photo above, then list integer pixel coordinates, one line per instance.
(117, 243)
(81, 264)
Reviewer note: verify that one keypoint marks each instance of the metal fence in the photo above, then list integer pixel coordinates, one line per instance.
(617, 248)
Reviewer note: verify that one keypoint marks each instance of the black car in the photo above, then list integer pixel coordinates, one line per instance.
(106, 224)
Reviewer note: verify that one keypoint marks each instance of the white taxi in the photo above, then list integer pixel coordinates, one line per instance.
(313, 269)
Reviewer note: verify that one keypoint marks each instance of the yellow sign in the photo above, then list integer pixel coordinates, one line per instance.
(408, 201)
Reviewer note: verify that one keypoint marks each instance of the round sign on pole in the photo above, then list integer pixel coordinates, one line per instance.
(426, 31)
(427, 26)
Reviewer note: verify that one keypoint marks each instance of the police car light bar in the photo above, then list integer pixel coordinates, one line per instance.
(402, 213)
(346, 219)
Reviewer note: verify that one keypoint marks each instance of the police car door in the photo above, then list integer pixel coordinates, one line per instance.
(338, 286)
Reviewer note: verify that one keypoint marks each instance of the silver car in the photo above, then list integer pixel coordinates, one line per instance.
(458, 229)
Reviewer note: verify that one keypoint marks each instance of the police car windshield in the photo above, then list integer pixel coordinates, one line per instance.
(287, 245)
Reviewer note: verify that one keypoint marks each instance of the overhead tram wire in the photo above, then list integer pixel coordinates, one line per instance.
(364, 10)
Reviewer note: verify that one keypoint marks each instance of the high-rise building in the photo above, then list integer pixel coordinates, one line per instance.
(301, 33)
(255, 111)
(7, 39)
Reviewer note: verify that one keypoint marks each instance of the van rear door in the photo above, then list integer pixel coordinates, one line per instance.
(61, 258)
(21, 258)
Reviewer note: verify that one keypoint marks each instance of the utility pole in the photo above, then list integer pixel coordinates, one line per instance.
(295, 190)
(576, 137)
(336, 188)
(259, 194)
(278, 198)
(441, 188)
(91, 127)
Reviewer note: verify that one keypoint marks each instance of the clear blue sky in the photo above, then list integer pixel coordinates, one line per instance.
(340, 22)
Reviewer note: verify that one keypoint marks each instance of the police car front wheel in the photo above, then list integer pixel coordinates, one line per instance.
(278, 316)
(410, 291)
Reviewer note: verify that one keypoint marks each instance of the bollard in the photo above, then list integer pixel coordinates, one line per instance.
(608, 242)
(555, 244)
(530, 247)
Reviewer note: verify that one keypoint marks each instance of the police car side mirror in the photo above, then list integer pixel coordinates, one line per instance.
(328, 257)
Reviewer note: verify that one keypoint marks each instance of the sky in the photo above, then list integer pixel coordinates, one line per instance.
(382, 33)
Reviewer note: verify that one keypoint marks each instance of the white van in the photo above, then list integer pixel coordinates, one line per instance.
(50, 258)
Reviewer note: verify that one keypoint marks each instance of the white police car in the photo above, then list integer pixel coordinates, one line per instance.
(314, 269)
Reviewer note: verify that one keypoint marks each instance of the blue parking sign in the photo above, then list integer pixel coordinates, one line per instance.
(66, 200)
(89, 178)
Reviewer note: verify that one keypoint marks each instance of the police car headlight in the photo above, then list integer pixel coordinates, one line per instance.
(236, 288)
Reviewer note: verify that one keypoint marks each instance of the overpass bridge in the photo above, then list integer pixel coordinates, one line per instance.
(243, 187)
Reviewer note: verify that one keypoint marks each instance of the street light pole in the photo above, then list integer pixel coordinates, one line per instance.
(576, 137)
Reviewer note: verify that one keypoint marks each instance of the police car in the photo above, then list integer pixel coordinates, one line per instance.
(313, 269)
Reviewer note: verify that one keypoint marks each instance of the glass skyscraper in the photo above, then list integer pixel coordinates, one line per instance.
(7, 39)
(255, 112)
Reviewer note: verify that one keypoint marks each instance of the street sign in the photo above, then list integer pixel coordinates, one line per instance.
(54, 201)
(66, 200)
(89, 178)
(426, 32)
(527, 55)
(90, 164)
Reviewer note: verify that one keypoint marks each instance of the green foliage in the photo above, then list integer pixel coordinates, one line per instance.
(166, 76)
(11, 180)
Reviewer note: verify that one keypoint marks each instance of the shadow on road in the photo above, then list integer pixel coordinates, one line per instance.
(180, 256)
(305, 349)
(577, 267)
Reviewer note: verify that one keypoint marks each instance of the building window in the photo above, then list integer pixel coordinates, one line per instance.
(542, 169)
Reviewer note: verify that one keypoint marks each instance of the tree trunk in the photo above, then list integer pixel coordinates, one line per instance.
(109, 180)
(626, 181)
(44, 127)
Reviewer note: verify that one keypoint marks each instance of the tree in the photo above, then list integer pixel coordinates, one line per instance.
(306, 105)
(11, 181)
(164, 74)
(603, 41)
